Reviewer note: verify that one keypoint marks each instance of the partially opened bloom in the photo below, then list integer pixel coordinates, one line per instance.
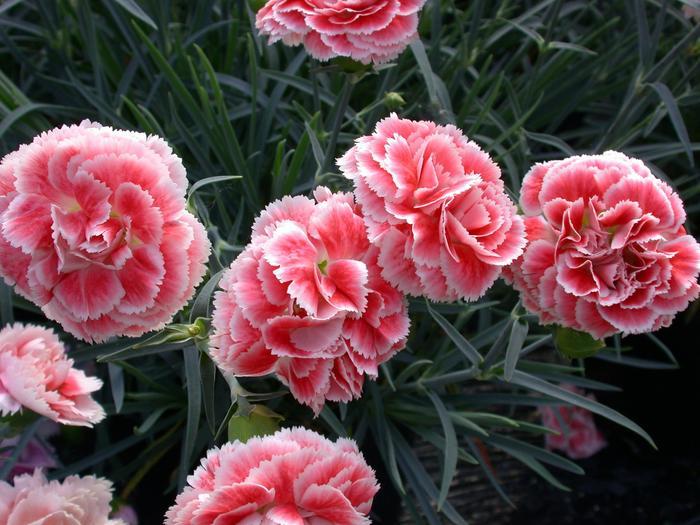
(577, 435)
(364, 30)
(435, 206)
(33, 500)
(305, 300)
(293, 477)
(607, 248)
(36, 374)
(94, 230)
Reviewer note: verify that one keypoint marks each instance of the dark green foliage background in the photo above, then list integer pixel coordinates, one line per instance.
(528, 80)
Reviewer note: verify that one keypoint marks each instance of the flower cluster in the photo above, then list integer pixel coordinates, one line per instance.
(363, 30)
(435, 206)
(94, 230)
(305, 300)
(293, 476)
(607, 251)
(32, 499)
(36, 374)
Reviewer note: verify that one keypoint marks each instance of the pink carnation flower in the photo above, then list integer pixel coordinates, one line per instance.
(608, 252)
(293, 477)
(127, 514)
(577, 435)
(93, 229)
(36, 374)
(306, 301)
(364, 30)
(434, 204)
(32, 500)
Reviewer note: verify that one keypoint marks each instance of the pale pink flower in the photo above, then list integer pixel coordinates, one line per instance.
(293, 477)
(435, 206)
(305, 300)
(578, 437)
(36, 374)
(127, 514)
(94, 230)
(607, 248)
(33, 500)
(692, 12)
(364, 30)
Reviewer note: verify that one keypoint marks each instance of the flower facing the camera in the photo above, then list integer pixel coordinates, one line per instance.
(293, 476)
(435, 206)
(32, 499)
(305, 300)
(607, 249)
(36, 374)
(94, 230)
(367, 31)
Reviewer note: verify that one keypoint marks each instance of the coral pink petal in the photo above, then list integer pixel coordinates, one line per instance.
(89, 293)
(302, 337)
(469, 277)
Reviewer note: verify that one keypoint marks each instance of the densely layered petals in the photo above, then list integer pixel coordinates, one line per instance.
(576, 433)
(32, 499)
(435, 206)
(364, 30)
(294, 476)
(607, 249)
(306, 301)
(36, 374)
(94, 230)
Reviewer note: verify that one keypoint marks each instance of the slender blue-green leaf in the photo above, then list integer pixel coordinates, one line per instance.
(413, 468)
(332, 421)
(571, 47)
(151, 420)
(665, 349)
(510, 444)
(518, 333)
(315, 145)
(464, 346)
(202, 303)
(540, 469)
(644, 45)
(487, 469)
(135, 10)
(6, 6)
(18, 113)
(635, 362)
(538, 385)
(210, 180)
(8, 462)
(208, 372)
(103, 454)
(6, 314)
(449, 466)
(676, 118)
(194, 407)
(116, 384)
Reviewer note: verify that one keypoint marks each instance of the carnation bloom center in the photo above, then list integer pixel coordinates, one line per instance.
(610, 260)
(101, 234)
